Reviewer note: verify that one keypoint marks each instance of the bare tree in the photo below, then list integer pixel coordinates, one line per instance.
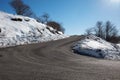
(56, 26)
(89, 31)
(44, 18)
(99, 29)
(110, 31)
(21, 8)
(107, 31)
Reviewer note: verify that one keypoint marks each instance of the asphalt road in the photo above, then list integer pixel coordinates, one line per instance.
(54, 61)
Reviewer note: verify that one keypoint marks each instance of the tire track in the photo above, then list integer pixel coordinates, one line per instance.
(54, 61)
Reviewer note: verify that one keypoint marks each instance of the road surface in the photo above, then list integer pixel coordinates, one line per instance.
(54, 60)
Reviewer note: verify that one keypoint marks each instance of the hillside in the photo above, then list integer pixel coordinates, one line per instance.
(18, 30)
(94, 46)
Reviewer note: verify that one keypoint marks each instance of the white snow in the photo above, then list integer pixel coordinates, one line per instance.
(26, 31)
(97, 47)
(118, 45)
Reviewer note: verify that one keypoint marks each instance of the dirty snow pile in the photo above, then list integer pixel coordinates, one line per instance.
(97, 47)
(19, 30)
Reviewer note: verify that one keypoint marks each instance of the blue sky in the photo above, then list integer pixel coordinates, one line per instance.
(75, 15)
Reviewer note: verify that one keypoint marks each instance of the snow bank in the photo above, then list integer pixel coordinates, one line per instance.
(97, 47)
(19, 30)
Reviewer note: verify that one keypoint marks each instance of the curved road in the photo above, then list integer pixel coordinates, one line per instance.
(54, 61)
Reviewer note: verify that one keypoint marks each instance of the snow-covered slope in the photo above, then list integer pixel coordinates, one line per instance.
(97, 47)
(18, 30)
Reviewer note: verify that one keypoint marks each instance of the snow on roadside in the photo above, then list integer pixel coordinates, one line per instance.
(97, 47)
(19, 30)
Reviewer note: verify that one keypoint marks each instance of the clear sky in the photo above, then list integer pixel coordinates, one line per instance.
(75, 15)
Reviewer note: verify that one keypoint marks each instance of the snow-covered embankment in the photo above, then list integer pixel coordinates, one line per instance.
(19, 30)
(97, 47)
